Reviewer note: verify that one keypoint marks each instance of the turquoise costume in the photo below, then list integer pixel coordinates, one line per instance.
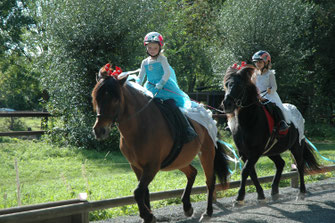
(171, 90)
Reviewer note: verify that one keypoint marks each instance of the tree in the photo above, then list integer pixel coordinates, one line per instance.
(20, 89)
(14, 20)
(284, 28)
(189, 33)
(19, 86)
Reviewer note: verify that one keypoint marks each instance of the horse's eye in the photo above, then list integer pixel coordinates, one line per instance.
(229, 84)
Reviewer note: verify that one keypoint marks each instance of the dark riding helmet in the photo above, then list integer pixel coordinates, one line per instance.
(262, 55)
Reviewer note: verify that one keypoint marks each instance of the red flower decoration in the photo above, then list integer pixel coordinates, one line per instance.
(117, 71)
(236, 67)
(113, 73)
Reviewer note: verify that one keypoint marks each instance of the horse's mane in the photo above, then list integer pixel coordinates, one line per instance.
(107, 84)
(245, 74)
(111, 85)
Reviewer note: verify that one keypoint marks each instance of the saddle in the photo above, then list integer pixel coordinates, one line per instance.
(274, 116)
(181, 129)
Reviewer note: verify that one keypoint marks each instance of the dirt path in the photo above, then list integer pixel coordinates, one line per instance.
(318, 206)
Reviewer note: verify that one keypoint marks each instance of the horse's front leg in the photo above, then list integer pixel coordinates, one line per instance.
(280, 163)
(138, 174)
(141, 195)
(190, 173)
(259, 189)
(247, 169)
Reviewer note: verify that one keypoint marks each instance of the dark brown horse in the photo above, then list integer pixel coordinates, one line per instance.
(248, 123)
(145, 140)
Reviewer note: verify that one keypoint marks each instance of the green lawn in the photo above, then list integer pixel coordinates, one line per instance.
(48, 173)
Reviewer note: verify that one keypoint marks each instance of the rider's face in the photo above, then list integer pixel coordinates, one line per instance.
(153, 48)
(259, 64)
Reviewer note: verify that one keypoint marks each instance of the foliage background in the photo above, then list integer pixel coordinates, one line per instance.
(58, 46)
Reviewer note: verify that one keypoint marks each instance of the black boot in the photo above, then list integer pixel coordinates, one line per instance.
(279, 118)
(190, 134)
(186, 133)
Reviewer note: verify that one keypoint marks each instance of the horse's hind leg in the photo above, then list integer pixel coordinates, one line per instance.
(190, 173)
(297, 151)
(280, 163)
(207, 161)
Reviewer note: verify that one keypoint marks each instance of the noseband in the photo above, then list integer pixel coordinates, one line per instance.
(114, 119)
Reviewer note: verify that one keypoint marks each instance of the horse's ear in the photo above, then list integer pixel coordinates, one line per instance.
(102, 74)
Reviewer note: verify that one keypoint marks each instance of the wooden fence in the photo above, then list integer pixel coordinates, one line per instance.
(18, 114)
(76, 211)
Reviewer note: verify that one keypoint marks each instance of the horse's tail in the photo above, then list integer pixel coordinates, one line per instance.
(221, 164)
(311, 162)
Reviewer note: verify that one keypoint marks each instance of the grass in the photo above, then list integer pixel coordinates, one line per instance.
(49, 173)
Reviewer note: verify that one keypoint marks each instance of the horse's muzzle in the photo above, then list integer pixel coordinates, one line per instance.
(228, 105)
(100, 133)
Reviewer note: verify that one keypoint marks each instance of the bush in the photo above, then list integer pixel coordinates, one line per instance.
(281, 27)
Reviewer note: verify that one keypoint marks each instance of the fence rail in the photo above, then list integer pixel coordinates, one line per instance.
(76, 211)
(24, 114)
(18, 114)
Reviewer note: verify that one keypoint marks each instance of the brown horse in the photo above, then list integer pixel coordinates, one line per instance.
(145, 140)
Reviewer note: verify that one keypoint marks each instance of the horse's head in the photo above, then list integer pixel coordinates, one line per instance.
(107, 102)
(239, 89)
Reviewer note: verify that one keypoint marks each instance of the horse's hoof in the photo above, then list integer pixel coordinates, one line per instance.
(204, 218)
(261, 201)
(301, 197)
(275, 197)
(153, 220)
(238, 203)
(189, 213)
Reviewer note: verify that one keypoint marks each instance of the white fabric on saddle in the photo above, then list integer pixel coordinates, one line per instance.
(294, 115)
(197, 112)
(265, 81)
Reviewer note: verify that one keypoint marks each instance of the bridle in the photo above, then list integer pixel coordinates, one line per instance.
(238, 101)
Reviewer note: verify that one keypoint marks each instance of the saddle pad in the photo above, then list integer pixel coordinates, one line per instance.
(270, 120)
(170, 112)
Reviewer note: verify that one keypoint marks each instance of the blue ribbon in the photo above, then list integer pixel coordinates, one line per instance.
(233, 151)
(325, 158)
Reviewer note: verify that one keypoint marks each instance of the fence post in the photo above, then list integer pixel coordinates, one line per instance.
(18, 186)
(295, 180)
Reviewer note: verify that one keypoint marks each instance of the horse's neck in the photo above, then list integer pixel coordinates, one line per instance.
(249, 116)
(133, 104)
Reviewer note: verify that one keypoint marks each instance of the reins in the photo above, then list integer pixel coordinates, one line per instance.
(215, 109)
